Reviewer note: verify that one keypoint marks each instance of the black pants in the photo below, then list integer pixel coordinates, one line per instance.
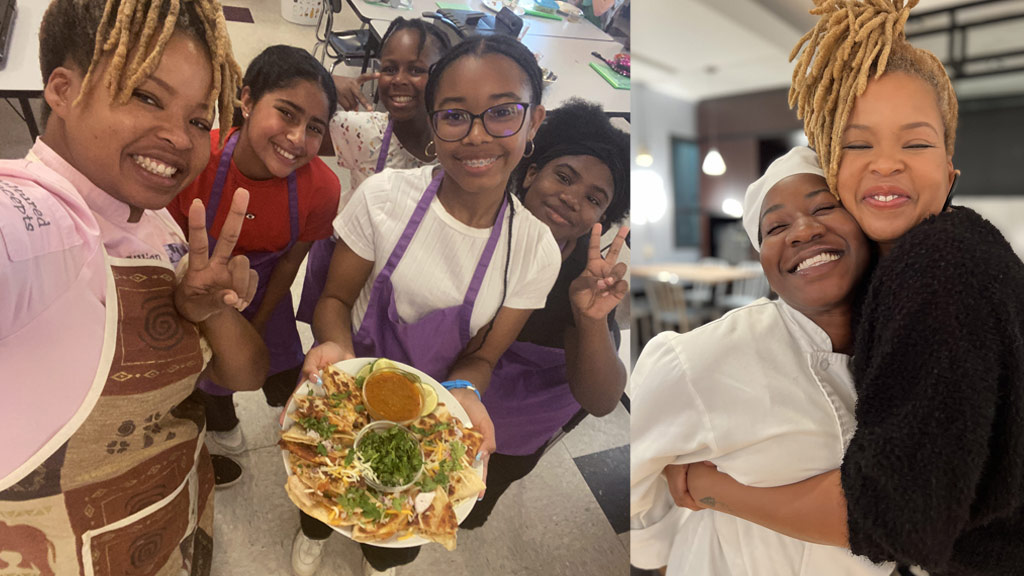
(220, 410)
(502, 471)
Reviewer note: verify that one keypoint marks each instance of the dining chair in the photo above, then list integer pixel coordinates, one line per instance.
(669, 309)
(701, 295)
(747, 290)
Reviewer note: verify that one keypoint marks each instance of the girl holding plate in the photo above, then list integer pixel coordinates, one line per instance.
(440, 267)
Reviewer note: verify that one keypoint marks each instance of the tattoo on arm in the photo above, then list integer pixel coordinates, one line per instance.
(713, 504)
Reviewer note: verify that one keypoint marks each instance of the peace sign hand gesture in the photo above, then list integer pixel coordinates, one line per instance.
(600, 288)
(215, 282)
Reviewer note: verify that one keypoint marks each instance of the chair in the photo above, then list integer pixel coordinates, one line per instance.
(747, 290)
(668, 307)
(701, 295)
(641, 320)
(348, 46)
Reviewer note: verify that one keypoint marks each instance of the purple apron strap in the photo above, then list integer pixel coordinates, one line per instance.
(481, 270)
(218, 182)
(411, 227)
(385, 144)
(293, 210)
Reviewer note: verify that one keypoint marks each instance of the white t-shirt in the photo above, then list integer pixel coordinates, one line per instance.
(357, 138)
(439, 263)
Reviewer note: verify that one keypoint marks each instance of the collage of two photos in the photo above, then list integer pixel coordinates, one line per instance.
(694, 287)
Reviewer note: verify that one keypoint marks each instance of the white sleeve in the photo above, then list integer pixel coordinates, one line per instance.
(538, 261)
(361, 216)
(668, 425)
(347, 134)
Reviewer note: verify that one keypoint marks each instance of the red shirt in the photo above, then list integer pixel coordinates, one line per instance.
(267, 226)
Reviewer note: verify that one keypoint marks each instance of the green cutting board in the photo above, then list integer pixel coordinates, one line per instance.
(618, 81)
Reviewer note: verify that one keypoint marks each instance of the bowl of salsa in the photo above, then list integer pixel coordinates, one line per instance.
(393, 394)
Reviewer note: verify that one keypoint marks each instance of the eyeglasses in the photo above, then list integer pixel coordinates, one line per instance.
(501, 121)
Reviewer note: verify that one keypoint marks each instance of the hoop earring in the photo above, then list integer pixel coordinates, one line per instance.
(530, 148)
(428, 153)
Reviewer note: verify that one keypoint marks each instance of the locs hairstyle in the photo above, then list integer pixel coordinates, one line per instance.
(853, 41)
(134, 33)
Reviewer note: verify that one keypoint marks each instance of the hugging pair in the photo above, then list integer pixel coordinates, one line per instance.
(876, 408)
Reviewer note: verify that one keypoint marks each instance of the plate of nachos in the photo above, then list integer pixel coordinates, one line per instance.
(340, 485)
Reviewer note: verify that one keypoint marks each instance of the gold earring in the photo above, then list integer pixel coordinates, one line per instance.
(428, 153)
(530, 148)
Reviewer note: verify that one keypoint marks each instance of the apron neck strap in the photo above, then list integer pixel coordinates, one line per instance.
(485, 258)
(413, 225)
(385, 144)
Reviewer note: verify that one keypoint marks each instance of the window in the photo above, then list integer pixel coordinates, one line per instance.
(686, 192)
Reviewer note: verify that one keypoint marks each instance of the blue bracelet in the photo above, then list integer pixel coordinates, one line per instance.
(456, 384)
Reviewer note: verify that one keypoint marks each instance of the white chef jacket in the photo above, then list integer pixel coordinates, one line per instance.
(760, 393)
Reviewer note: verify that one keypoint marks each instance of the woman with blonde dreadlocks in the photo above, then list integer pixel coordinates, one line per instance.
(103, 469)
(934, 475)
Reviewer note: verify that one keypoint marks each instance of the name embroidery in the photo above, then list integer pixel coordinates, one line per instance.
(31, 216)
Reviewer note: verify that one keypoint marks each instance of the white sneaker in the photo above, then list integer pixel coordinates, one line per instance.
(369, 570)
(231, 442)
(306, 554)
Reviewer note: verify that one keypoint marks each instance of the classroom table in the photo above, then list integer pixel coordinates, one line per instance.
(582, 30)
(20, 77)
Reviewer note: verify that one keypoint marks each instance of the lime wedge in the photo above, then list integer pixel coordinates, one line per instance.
(384, 363)
(429, 399)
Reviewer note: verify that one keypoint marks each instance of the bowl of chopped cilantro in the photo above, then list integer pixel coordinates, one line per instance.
(388, 456)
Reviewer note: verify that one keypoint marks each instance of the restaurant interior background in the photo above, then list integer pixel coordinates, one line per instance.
(714, 76)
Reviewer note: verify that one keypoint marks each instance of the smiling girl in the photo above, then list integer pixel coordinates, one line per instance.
(103, 466)
(287, 99)
(564, 364)
(935, 473)
(366, 142)
(440, 267)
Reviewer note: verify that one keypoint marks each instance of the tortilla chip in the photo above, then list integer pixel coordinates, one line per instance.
(379, 532)
(438, 522)
(465, 483)
(310, 502)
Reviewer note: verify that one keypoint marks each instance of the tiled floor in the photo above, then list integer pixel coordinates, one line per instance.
(550, 523)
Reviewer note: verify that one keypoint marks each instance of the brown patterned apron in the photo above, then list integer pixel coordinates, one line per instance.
(126, 487)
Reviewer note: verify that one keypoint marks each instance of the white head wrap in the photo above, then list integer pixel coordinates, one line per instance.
(799, 160)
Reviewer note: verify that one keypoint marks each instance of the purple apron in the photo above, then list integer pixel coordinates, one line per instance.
(529, 398)
(433, 342)
(319, 259)
(281, 335)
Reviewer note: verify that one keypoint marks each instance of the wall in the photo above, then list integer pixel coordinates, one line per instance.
(656, 118)
(736, 125)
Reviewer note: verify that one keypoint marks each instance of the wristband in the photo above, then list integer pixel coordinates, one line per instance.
(456, 384)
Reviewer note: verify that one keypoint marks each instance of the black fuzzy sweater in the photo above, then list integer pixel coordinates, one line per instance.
(935, 473)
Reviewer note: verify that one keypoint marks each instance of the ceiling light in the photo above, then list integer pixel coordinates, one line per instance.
(733, 207)
(714, 164)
